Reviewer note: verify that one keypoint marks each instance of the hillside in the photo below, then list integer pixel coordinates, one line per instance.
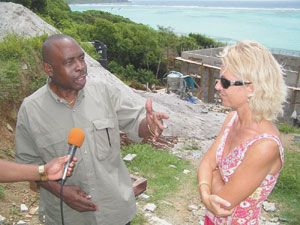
(190, 115)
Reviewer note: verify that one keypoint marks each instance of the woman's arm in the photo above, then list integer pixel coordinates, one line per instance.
(206, 179)
(217, 181)
(261, 159)
(209, 181)
(14, 172)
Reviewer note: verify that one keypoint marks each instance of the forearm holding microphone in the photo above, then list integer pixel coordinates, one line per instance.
(53, 170)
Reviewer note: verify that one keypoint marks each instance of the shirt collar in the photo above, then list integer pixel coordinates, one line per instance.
(62, 100)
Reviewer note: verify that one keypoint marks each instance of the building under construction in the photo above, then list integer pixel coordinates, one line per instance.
(204, 66)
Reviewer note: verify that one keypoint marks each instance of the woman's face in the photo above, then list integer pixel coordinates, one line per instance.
(232, 90)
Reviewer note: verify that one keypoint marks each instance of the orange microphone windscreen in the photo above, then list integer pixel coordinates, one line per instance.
(76, 137)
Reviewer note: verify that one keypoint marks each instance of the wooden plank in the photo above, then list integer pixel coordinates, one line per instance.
(298, 75)
(139, 184)
(196, 63)
(294, 88)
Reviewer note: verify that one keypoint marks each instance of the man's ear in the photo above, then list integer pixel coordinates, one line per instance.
(48, 69)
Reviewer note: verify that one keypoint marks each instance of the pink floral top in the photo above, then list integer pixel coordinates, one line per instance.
(248, 211)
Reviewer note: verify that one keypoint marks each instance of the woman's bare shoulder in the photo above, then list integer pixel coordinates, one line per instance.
(267, 127)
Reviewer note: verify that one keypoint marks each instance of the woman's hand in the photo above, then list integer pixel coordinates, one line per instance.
(216, 204)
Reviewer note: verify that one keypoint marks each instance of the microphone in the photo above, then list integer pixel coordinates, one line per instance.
(75, 140)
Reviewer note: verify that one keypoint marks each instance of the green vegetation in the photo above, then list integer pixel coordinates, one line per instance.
(155, 166)
(2, 191)
(20, 68)
(21, 71)
(138, 219)
(287, 189)
(15, 211)
(143, 51)
(286, 128)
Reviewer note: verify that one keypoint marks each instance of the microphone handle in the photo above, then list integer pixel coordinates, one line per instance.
(71, 153)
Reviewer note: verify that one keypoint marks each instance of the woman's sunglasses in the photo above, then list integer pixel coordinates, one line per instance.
(227, 83)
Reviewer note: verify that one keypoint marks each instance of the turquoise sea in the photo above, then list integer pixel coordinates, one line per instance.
(276, 24)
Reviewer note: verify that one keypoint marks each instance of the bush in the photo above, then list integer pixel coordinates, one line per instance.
(90, 49)
(129, 73)
(286, 128)
(20, 68)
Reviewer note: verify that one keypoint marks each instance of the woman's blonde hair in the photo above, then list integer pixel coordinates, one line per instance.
(250, 61)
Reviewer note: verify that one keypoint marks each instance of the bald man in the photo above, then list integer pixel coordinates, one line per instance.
(100, 190)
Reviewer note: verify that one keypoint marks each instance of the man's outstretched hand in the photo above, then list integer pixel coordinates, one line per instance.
(154, 120)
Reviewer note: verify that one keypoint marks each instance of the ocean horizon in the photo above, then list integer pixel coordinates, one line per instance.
(275, 24)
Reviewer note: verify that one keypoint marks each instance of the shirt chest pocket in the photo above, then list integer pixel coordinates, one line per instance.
(104, 137)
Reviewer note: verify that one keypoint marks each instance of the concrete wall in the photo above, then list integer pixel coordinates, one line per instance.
(291, 65)
(206, 56)
(288, 62)
(292, 104)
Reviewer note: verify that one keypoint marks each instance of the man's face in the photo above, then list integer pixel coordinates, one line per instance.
(69, 69)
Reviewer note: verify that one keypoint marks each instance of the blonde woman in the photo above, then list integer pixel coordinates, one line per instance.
(241, 167)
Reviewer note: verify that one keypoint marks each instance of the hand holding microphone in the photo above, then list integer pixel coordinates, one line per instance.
(75, 140)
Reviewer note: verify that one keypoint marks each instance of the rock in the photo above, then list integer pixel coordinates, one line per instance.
(150, 207)
(271, 223)
(262, 218)
(167, 203)
(21, 222)
(23, 208)
(201, 222)
(24, 66)
(269, 206)
(33, 210)
(193, 207)
(186, 219)
(25, 22)
(129, 157)
(282, 219)
(155, 220)
(275, 219)
(28, 216)
(2, 220)
(9, 128)
(186, 171)
(296, 138)
(144, 196)
(172, 166)
(201, 213)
